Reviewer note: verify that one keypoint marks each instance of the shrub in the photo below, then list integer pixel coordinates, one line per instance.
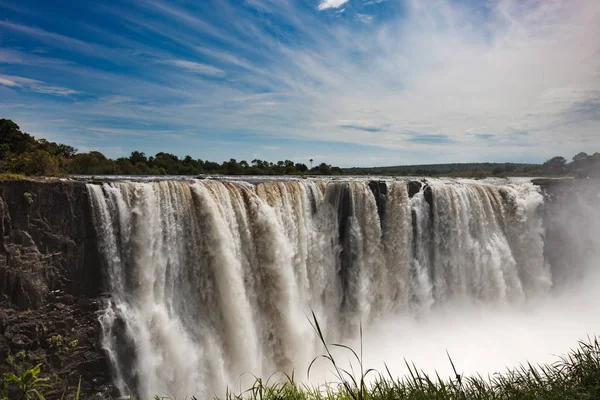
(29, 384)
(28, 197)
(55, 341)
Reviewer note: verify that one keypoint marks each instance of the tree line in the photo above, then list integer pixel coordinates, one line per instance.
(22, 153)
(451, 170)
(582, 165)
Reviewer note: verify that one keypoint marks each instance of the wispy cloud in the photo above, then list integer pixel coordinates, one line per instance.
(55, 39)
(189, 19)
(324, 4)
(135, 132)
(10, 56)
(364, 18)
(34, 85)
(430, 139)
(361, 126)
(195, 67)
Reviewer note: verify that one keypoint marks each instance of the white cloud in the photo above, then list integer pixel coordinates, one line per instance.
(195, 67)
(364, 18)
(110, 100)
(445, 69)
(9, 56)
(34, 85)
(331, 4)
(4, 81)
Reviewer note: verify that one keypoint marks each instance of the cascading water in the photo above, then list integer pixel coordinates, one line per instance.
(212, 279)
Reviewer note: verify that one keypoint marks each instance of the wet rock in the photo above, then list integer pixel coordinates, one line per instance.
(3, 322)
(414, 187)
(379, 190)
(68, 299)
(83, 303)
(19, 342)
(428, 194)
(347, 253)
(4, 348)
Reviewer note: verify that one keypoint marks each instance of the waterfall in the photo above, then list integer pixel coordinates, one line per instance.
(213, 279)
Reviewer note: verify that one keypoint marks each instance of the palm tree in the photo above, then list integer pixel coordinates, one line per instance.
(311, 161)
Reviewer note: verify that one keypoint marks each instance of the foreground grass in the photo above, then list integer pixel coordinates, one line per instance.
(575, 375)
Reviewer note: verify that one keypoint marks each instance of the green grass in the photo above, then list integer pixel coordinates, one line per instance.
(575, 375)
(13, 177)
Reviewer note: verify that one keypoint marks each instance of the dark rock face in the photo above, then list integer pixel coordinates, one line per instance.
(348, 251)
(50, 284)
(428, 193)
(413, 187)
(380, 191)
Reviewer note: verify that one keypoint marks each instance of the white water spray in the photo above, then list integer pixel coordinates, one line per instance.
(210, 280)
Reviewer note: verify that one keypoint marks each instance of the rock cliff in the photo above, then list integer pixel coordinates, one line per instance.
(50, 284)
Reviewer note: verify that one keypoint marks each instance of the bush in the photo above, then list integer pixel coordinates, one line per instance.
(55, 341)
(28, 197)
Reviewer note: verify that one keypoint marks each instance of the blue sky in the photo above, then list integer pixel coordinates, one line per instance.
(348, 82)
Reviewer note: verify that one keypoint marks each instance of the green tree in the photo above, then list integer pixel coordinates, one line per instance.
(12, 140)
(137, 157)
(498, 170)
(337, 171)
(555, 166)
(232, 167)
(211, 166)
(92, 163)
(42, 163)
(301, 168)
(580, 157)
(510, 167)
(125, 167)
(169, 162)
(324, 169)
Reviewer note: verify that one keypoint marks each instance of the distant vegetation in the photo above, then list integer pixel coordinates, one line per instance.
(456, 170)
(581, 166)
(21, 153)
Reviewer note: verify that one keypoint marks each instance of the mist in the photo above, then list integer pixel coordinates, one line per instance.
(483, 338)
